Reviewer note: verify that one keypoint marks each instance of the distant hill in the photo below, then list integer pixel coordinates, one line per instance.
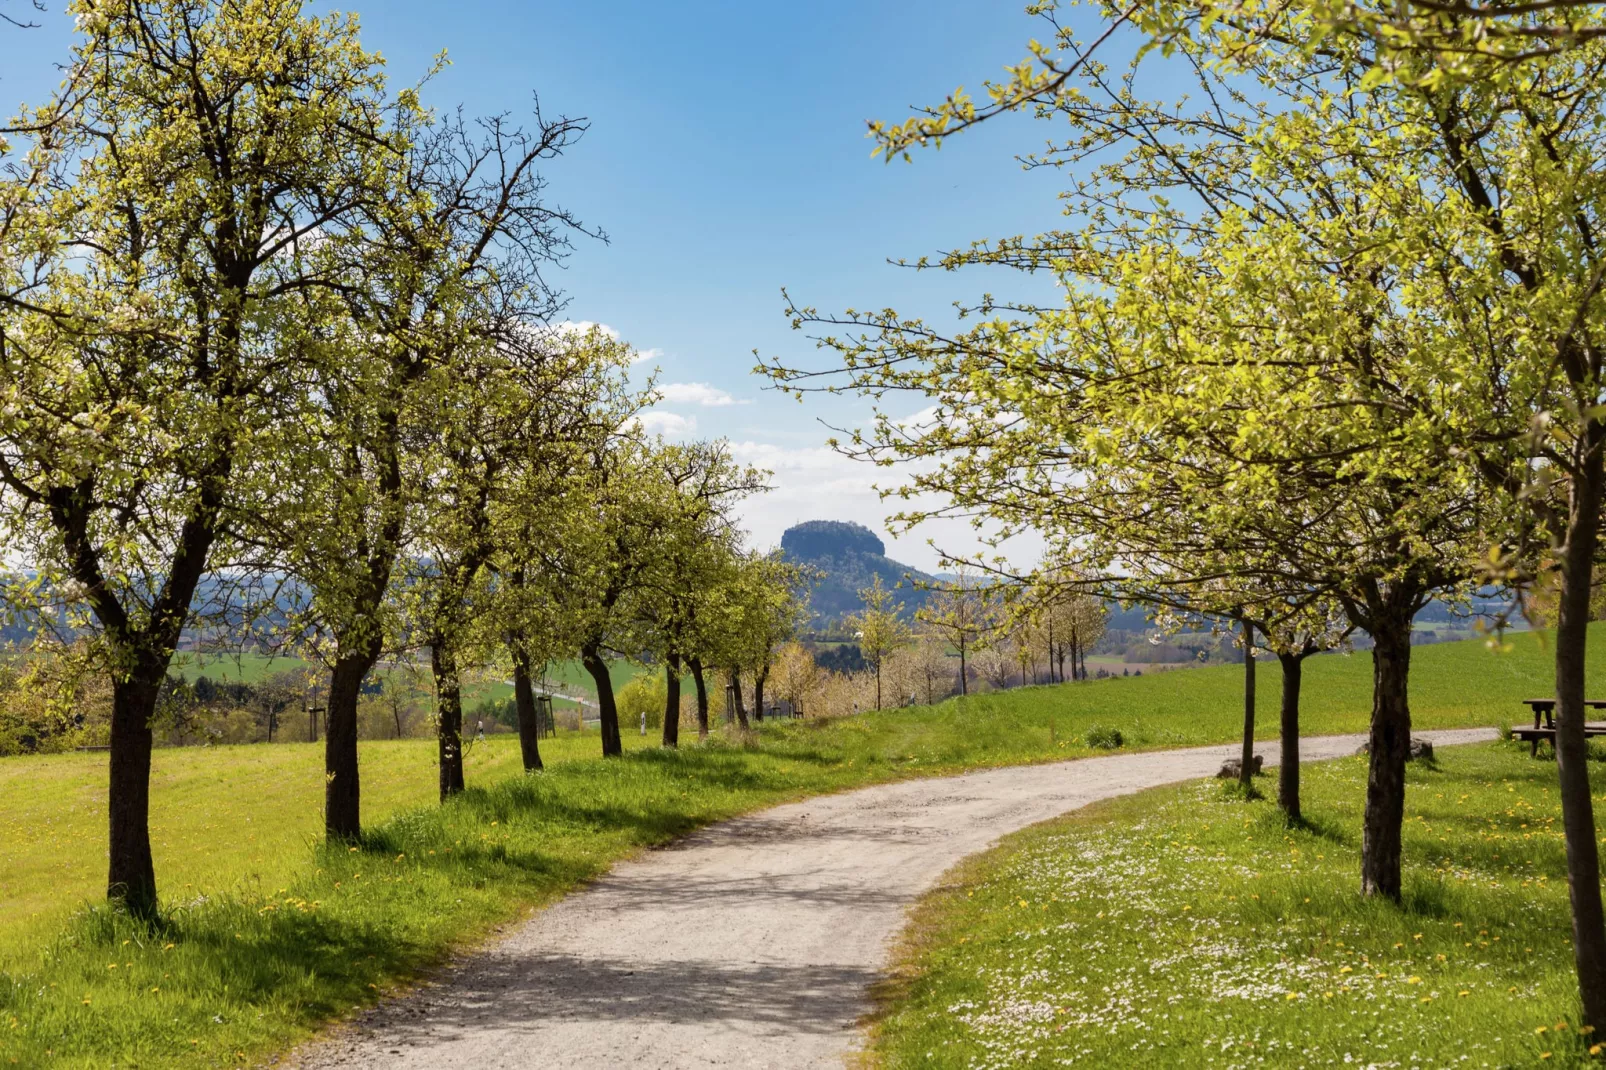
(850, 556)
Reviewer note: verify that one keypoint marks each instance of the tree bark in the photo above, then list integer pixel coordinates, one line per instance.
(736, 690)
(701, 684)
(524, 703)
(763, 675)
(342, 789)
(449, 700)
(1288, 771)
(131, 875)
(1246, 775)
(672, 700)
(1052, 676)
(964, 669)
(591, 657)
(1389, 743)
(1577, 806)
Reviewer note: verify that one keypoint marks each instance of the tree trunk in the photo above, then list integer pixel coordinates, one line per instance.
(449, 702)
(1051, 676)
(878, 685)
(342, 789)
(964, 669)
(1246, 775)
(131, 876)
(736, 691)
(529, 716)
(672, 701)
(1288, 770)
(591, 658)
(762, 675)
(701, 683)
(1577, 806)
(1084, 662)
(1389, 743)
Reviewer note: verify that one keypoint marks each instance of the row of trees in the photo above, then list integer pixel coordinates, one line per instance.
(278, 356)
(989, 628)
(1329, 346)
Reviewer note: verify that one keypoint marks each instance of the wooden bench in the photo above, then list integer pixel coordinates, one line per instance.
(1546, 708)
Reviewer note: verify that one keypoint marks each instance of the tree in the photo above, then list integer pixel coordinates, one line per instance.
(931, 665)
(429, 273)
(796, 675)
(599, 554)
(760, 607)
(586, 401)
(696, 551)
(958, 613)
(7, 16)
(1233, 447)
(880, 629)
(137, 380)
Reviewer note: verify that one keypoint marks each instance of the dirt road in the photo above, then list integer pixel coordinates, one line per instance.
(750, 944)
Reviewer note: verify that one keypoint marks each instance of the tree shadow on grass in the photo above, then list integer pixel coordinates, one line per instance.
(1323, 827)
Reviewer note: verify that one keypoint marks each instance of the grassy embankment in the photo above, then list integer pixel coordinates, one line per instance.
(1182, 927)
(269, 935)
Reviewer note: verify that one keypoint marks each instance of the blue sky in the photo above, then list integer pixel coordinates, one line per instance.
(727, 158)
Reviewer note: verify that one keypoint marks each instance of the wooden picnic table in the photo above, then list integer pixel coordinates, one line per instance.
(1546, 708)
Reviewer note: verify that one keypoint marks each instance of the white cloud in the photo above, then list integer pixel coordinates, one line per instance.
(696, 394)
(668, 424)
(583, 327)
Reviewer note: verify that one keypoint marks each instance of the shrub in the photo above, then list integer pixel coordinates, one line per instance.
(647, 694)
(1101, 738)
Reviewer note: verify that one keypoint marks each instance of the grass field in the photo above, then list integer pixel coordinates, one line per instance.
(1183, 927)
(268, 935)
(254, 668)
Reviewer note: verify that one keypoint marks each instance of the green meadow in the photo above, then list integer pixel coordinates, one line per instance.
(1183, 927)
(267, 935)
(255, 668)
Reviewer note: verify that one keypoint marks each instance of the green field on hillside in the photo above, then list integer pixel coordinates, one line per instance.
(1184, 928)
(254, 668)
(272, 935)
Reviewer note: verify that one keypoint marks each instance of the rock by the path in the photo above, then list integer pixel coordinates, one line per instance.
(1420, 750)
(1233, 768)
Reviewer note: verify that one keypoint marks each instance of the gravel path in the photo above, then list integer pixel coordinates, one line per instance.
(749, 944)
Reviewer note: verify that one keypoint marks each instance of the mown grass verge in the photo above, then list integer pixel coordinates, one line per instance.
(1185, 927)
(268, 935)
